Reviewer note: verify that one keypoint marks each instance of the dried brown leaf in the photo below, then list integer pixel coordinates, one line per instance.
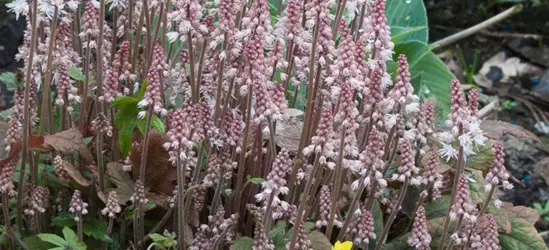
(521, 212)
(319, 241)
(66, 143)
(497, 129)
(122, 180)
(159, 169)
(75, 174)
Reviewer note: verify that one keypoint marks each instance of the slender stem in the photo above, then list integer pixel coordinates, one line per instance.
(200, 65)
(308, 109)
(352, 208)
(45, 115)
(181, 169)
(6, 211)
(137, 40)
(303, 203)
(79, 226)
(336, 184)
(109, 227)
(393, 214)
(459, 170)
(26, 113)
(337, 22)
(160, 224)
(145, 144)
(194, 94)
(99, 83)
(113, 40)
(85, 90)
(484, 207)
(241, 163)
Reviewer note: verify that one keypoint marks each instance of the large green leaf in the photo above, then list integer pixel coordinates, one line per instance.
(125, 137)
(437, 208)
(10, 80)
(408, 14)
(35, 243)
(70, 235)
(399, 34)
(242, 243)
(52, 238)
(523, 237)
(156, 123)
(378, 223)
(435, 76)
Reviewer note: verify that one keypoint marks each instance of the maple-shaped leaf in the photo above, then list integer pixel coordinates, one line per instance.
(66, 143)
(122, 180)
(75, 174)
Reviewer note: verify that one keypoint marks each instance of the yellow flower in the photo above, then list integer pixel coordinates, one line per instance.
(347, 245)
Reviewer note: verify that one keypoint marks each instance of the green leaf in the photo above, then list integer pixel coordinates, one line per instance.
(96, 229)
(242, 243)
(158, 237)
(437, 208)
(476, 187)
(156, 123)
(435, 76)
(120, 101)
(87, 140)
(125, 113)
(408, 14)
(125, 137)
(378, 222)
(52, 238)
(35, 243)
(278, 234)
(256, 180)
(76, 74)
(70, 236)
(142, 89)
(10, 80)
(64, 219)
(523, 236)
(399, 33)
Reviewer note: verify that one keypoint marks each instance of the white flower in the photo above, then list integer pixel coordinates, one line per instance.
(172, 36)
(18, 7)
(116, 3)
(73, 5)
(412, 108)
(448, 151)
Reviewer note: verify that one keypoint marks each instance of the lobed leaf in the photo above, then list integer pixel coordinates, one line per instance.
(52, 238)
